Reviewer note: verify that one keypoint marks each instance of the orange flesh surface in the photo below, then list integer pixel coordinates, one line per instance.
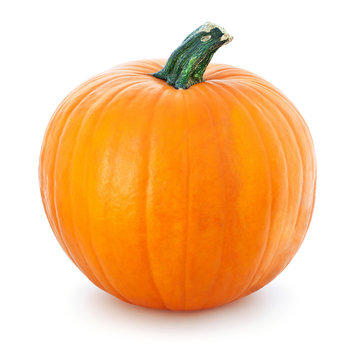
(178, 199)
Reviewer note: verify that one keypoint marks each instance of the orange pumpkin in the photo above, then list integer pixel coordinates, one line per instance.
(173, 191)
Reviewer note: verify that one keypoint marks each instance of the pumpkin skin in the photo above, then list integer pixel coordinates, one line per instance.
(178, 199)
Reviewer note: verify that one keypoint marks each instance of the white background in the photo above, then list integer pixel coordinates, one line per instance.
(308, 49)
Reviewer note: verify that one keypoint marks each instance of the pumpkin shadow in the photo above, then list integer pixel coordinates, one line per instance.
(265, 303)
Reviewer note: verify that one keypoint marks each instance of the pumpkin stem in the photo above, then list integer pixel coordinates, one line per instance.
(187, 64)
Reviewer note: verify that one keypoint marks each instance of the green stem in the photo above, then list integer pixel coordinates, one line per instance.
(187, 64)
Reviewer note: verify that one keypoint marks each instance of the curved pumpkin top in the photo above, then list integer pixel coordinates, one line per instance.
(219, 80)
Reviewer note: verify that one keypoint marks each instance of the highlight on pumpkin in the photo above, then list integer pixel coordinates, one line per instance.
(178, 184)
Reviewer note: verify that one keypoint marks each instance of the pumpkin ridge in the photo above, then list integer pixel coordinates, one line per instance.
(268, 226)
(144, 207)
(300, 196)
(88, 113)
(208, 299)
(261, 109)
(109, 98)
(221, 155)
(87, 268)
(269, 178)
(118, 94)
(285, 220)
(250, 119)
(301, 199)
(303, 180)
(45, 160)
(67, 116)
(169, 269)
(120, 89)
(55, 161)
(285, 120)
(187, 171)
(313, 200)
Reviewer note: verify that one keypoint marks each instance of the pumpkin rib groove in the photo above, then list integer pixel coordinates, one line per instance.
(65, 104)
(147, 141)
(54, 161)
(44, 152)
(52, 222)
(44, 159)
(313, 199)
(88, 113)
(300, 155)
(271, 93)
(302, 123)
(302, 193)
(187, 187)
(282, 115)
(250, 118)
(269, 223)
(287, 203)
(300, 196)
(119, 91)
(285, 117)
(110, 98)
(219, 85)
(63, 131)
(276, 93)
(260, 108)
(85, 117)
(266, 114)
(222, 162)
(300, 201)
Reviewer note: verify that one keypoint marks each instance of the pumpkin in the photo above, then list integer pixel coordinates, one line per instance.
(178, 185)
